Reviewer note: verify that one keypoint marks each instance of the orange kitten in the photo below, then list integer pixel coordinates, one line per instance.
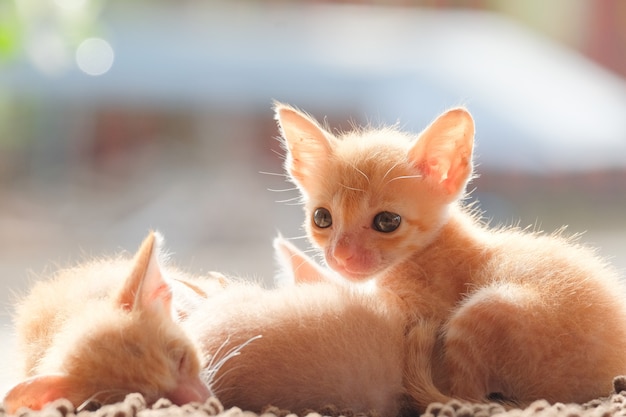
(318, 345)
(516, 315)
(101, 330)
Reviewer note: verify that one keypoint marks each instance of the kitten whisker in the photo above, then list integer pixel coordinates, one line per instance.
(275, 174)
(404, 177)
(114, 396)
(211, 364)
(275, 190)
(362, 173)
(289, 201)
(95, 398)
(215, 382)
(352, 188)
(282, 155)
(234, 351)
(389, 171)
(297, 237)
(218, 360)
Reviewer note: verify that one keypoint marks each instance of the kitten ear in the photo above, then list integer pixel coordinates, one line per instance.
(145, 288)
(308, 144)
(36, 392)
(443, 151)
(297, 267)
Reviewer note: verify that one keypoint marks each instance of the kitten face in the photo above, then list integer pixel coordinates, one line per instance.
(113, 343)
(129, 352)
(371, 212)
(374, 198)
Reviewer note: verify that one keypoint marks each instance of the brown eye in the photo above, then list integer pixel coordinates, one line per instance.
(322, 218)
(386, 222)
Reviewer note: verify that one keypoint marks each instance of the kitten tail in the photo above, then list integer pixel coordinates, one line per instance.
(418, 372)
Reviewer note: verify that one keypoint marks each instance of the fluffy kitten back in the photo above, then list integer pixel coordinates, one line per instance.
(104, 329)
(320, 344)
(302, 347)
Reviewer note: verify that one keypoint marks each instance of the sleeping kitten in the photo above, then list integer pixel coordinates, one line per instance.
(91, 335)
(101, 330)
(504, 313)
(300, 347)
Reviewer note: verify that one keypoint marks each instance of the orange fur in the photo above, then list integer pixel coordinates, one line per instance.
(523, 315)
(104, 329)
(301, 347)
(101, 330)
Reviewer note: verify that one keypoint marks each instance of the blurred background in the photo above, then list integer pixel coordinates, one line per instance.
(117, 117)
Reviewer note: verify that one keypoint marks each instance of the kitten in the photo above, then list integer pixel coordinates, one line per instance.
(301, 347)
(504, 313)
(101, 330)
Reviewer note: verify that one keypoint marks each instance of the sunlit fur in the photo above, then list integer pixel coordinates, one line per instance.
(101, 330)
(301, 348)
(361, 174)
(505, 311)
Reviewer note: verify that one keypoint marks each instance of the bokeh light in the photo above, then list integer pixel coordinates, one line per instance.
(71, 5)
(94, 56)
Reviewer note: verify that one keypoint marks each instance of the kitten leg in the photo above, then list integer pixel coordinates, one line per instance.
(420, 355)
(484, 339)
(522, 344)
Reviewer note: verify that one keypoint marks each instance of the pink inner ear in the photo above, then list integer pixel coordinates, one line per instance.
(434, 168)
(161, 296)
(443, 151)
(303, 268)
(146, 288)
(307, 143)
(36, 392)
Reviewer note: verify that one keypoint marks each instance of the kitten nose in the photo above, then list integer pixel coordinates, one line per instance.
(189, 390)
(343, 251)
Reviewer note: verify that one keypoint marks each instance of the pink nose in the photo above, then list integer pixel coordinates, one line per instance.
(194, 390)
(343, 254)
(344, 250)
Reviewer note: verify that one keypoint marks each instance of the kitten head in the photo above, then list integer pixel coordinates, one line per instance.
(374, 197)
(130, 343)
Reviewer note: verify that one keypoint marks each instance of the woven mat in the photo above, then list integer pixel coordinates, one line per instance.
(135, 406)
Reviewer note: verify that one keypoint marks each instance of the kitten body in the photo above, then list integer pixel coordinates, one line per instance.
(319, 345)
(101, 330)
(504, 311)
(107, 328)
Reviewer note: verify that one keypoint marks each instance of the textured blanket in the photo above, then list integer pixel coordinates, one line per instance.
(135, 406)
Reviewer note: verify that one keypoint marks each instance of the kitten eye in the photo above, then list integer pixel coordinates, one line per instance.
(322, 218)
(386, 221)
(182, 362)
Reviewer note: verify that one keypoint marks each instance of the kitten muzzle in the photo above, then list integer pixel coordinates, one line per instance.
(194, 390)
